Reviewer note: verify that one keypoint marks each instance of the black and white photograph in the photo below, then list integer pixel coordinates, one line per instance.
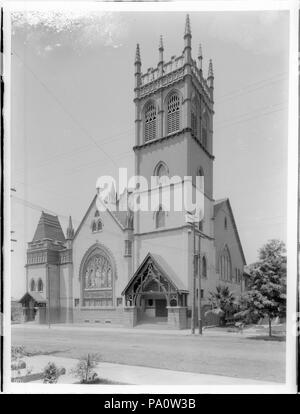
(150, 164)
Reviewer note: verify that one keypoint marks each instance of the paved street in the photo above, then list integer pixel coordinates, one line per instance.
(233, 355)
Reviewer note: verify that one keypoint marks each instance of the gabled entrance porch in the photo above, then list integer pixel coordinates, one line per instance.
(155, 295)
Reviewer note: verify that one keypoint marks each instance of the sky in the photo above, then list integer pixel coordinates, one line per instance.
(72, 112)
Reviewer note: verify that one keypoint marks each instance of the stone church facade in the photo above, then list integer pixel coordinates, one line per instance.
(128, 267)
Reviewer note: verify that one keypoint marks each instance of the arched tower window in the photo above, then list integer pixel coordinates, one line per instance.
(205, 130)
(204, 267)
(150, 122)
(173, 113)
(161, 170)
(40, 285)
(160, 218)
(32, 285)
(225, 265)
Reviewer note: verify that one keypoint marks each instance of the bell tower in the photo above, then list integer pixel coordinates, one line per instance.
(174, 114)
(174, 132)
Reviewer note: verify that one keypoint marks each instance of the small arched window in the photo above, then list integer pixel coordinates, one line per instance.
(173, 113)
(94, 226)
(97, 214)
(40, 285)
(150, 122)
(32, 285)
(160, 218)
(99, 225)
(161, 170)
(225, 222)
(204, 267)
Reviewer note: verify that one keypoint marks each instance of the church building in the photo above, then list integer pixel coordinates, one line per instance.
(130, 267)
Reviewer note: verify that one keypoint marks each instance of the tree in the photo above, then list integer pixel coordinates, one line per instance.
(266, 294)
(222, 299)
(84, 369)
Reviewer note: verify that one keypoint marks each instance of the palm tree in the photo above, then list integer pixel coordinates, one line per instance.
(222, 302)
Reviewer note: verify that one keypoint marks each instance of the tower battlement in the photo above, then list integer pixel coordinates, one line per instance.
(173, 70)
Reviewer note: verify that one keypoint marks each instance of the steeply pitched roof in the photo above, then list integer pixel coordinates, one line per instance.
(163, 267)
(48, 228)
(36, 296)
(218, 204)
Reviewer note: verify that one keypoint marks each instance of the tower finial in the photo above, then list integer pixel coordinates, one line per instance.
(137, 54)
(161, 45)
(210, 70)
(70, 229)
(200, 57)
(187, 26)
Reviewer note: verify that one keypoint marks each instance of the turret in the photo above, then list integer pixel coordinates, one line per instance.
(161, 57)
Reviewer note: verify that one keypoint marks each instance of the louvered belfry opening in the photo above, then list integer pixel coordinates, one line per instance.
(173, 113)
(150, 122)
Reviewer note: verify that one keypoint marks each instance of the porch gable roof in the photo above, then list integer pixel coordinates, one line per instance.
(37, 297)
(163, 268)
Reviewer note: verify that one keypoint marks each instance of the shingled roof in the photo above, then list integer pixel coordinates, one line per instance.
(48, 228)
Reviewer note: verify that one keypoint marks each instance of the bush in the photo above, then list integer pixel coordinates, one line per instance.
(51, 373)
(84, 369)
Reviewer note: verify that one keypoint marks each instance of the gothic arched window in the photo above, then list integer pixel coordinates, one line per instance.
(150, 122)
(40, 285)
(160, 218)
(94, 226)
(32, 285)
(225, 265)
(204, 267)
(97, 281)
(205, 130)
(173, 113)
(99, 225)
(161, 170)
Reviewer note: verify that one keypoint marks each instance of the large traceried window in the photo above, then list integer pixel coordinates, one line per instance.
(173, 120)
(225, 265)
(150, 122)
(160, 218)
(98, 281)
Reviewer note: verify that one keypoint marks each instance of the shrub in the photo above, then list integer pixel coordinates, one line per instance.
(84, 369)
(51, 373)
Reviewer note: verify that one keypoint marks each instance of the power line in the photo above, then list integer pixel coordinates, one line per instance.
(83, 129)
(253, 86)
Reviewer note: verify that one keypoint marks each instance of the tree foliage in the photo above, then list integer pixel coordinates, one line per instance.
(266, 294)
(84, 369)
(222, 299)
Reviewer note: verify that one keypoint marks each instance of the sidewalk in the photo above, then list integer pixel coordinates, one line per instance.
(137, 375)
(143, 329)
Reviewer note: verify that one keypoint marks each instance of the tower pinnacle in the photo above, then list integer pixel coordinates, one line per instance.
(70, 229)
(137, 54)
(187, 31)
(161, 45)
(200, 57)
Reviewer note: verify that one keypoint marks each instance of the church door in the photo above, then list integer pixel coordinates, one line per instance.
(161, 308)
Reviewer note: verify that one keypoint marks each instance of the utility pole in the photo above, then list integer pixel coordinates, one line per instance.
(194, 279)
(12, 231)
(199, 290)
